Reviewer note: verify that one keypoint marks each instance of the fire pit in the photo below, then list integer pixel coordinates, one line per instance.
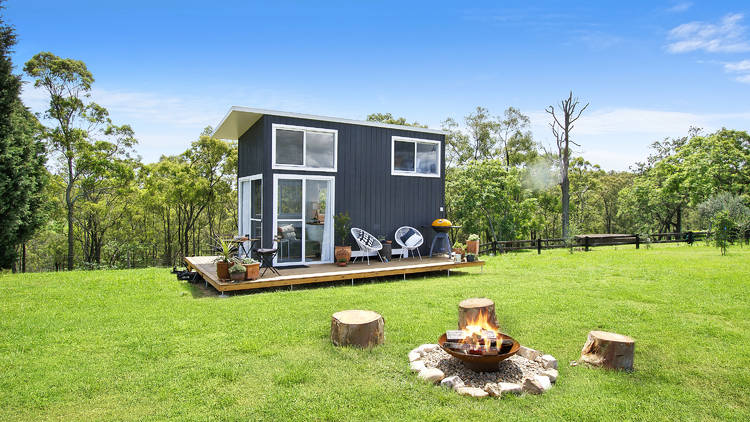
(482, 357)
(479, 360)
(478, 342)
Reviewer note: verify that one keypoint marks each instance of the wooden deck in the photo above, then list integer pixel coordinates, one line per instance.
(322, 273)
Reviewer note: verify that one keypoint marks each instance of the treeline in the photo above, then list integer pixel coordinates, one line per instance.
(505, 186)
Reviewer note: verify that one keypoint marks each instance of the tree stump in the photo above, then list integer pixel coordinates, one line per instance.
(474, 309)
(357, 328)
(609, 350)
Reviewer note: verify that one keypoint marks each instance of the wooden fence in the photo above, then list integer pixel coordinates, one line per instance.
(589, 241)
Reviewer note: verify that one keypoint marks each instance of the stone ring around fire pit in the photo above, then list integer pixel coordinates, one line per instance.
(527, 370)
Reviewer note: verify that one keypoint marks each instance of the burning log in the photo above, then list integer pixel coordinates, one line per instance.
(476, 309)
(357, 328)
(455, 336)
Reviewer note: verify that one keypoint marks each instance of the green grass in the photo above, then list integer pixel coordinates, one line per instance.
(137, 344)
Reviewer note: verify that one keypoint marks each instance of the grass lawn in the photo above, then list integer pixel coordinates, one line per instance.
(137, 344)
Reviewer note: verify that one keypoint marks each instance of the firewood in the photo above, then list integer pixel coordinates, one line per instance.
(609, 350)
(454, 335)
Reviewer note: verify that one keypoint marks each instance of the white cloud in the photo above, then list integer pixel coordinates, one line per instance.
(727, 36)
(680, 7)
(742, 68)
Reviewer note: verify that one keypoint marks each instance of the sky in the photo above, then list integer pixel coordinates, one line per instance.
(649, 69)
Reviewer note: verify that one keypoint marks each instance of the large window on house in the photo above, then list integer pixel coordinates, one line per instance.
(415, 157)
(304, 148)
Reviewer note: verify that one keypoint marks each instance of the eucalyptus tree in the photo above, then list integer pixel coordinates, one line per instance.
(562, 125)
(81, 134)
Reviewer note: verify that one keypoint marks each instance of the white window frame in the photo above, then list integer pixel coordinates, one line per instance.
(332, 200)
(304, 130)
(416, 141)
(248, 179)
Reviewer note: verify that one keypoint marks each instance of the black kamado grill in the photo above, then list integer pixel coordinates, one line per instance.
(441, 243)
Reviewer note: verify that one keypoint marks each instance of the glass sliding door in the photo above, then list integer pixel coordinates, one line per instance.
(304, 219)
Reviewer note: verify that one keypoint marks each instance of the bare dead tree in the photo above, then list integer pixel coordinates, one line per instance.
(561, 131)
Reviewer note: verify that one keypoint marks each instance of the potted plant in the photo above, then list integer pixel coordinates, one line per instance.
(342, 253)
(458, 248)
(237, 272)
(252, 268)
(458, 251)
(470, 257)
(224, 259)
(472, 244)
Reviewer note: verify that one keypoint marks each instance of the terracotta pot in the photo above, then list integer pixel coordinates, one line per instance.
(252, 271)
(237, 276)
(458, 251)
(342, 254)
(222, 270)
(472, 246)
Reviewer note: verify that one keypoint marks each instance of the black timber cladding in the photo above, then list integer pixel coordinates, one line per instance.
(376, 201)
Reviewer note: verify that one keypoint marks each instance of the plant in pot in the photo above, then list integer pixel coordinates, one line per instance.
(459, 248)
(470, 257)
(224, 260)
(458, 251)
(342, 253)
(252, 268)
(472, 244)
(237, 271)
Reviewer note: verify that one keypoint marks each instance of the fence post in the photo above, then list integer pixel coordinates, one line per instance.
(539, 246)
(494, 247)
(637, 241)
(586, 243)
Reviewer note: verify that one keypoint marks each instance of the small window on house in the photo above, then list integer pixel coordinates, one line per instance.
(301, 148)
(415, 157)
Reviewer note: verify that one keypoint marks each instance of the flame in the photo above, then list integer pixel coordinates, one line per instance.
(479, 330)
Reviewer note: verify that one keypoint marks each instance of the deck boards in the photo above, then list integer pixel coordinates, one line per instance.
(206, 267)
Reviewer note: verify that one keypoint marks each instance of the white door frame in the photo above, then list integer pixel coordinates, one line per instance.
(331, 203)
(247, 202)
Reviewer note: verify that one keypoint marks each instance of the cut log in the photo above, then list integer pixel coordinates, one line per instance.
(609, 350)
(357, 328)
(472, 310)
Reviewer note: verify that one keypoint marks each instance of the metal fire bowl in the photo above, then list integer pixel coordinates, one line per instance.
(480, 363)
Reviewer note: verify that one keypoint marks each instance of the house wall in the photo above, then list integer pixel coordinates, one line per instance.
(375, 200)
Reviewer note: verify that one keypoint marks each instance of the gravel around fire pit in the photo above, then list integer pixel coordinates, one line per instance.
(527, 371)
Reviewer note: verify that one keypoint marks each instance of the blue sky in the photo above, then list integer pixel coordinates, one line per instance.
(649, 69)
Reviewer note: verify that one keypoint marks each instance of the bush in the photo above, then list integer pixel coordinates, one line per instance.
(724, 230)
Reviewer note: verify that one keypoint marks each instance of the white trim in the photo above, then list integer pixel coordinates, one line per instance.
(239, 201)
(414, 173)
(275, 219)
(304, 130)
(239, 119)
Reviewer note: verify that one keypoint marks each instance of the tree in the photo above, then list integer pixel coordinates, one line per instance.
(517, 145)
(486, 198)
(561, 131)
(76, 125)
(389, 119)
(22, 171)
(477, 143)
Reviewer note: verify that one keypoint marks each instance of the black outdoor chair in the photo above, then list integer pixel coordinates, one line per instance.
(266, 256)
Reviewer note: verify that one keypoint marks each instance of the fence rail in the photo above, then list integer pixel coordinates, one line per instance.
(589, 241)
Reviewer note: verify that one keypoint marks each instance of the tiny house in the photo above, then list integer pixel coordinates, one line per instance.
(297, 171)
